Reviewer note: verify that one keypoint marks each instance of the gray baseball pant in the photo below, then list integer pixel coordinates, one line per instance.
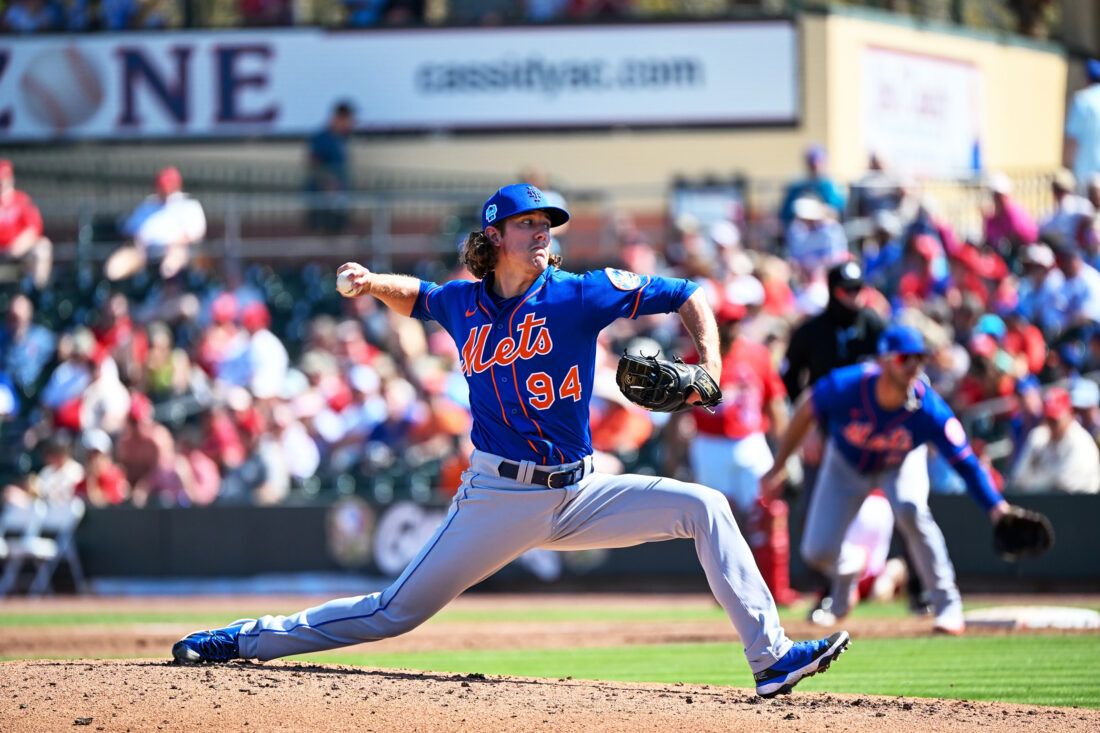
(837, 497)
(493, 520)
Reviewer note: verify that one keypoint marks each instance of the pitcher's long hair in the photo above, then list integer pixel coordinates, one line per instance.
(480, 256)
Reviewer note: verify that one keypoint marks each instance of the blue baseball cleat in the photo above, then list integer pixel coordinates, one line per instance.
(215, 645)
(805, 659)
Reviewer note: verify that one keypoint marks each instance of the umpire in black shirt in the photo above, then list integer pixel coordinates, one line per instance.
(844, 333)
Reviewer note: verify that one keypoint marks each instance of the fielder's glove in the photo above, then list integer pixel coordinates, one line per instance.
(663, 386)
(1022, 533)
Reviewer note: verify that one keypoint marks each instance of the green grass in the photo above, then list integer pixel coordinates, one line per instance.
(1028, 669)
(547, 612)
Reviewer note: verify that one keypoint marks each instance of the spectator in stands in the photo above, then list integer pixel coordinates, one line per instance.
(167, 371)
(1006, 225)
(1082, 138)
(267, 357)
(117, 336)
(302, 455)
(876, 190)
(56, 482)
(882, 249)
(199, 472)
(328, 172)
(1040, 288)
(146, 452)
(1084, 395)
(21, 238)
(1078, 307)
(75, 370)
(1062, 223)
(104, 483)
(815, 239)
(32, 16)
(105, 403)
(817, 184)
(163, 229)
(1058, 455)
(1024, 341)
(26, 348)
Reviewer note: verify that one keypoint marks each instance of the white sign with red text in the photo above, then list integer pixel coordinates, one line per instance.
(229, 84)
(923, 113)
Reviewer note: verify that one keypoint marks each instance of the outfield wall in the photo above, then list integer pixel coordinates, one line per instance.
(356, 537)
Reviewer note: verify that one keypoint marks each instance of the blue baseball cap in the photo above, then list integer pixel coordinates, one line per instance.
(519, 198)
(901, 340)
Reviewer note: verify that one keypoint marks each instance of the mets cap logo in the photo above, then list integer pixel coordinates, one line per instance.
(491, 212)
(623, 279)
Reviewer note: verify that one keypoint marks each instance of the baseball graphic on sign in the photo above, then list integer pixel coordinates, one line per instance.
(62, 88)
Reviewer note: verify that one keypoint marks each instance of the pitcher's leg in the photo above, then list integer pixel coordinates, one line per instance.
(621, 511)
(471, 543)
(908, 496)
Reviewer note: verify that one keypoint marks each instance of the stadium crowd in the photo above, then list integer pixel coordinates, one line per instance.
(1032, 18)
(172, 383)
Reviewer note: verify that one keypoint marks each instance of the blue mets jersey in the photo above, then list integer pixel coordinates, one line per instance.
(530, 360)
(872, 439)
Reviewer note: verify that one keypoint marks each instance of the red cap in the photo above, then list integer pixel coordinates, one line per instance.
(224, 308)
(255, 316)
(1056, 403)
(169, 180)
(141, 409)
(730, 311)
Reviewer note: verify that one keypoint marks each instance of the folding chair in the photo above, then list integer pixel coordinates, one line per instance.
(19, 523)
(54, 542)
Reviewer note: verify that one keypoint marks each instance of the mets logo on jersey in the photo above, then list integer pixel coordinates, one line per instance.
(862, 435)
(623, 279)
(533, 340)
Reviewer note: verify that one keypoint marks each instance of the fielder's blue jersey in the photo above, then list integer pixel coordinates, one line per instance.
(872, 439)
(530, 360)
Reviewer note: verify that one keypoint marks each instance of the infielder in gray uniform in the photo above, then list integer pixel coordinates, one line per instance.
(878, 418)
(527, 335)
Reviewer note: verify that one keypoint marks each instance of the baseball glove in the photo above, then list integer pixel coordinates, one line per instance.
(1022, 533)
(663, 386)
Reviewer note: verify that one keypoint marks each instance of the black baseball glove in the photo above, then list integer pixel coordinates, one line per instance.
(663, 386)
(1022, 533)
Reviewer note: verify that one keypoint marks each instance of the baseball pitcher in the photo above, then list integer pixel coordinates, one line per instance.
(526, 331)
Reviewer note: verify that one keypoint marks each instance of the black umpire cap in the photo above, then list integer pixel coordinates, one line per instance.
(846, 275)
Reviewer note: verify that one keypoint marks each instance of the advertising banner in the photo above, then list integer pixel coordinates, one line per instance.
(922, 112)
(233, 84)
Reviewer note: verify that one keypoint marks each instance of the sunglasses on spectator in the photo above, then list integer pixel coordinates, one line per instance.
(852, 288)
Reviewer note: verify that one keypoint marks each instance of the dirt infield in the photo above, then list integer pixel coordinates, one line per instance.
(151, 694)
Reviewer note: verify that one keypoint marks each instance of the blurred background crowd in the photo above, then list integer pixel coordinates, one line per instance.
(166, 380)
(149, 357)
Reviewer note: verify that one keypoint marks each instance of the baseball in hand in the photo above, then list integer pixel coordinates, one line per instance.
(345, 286)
